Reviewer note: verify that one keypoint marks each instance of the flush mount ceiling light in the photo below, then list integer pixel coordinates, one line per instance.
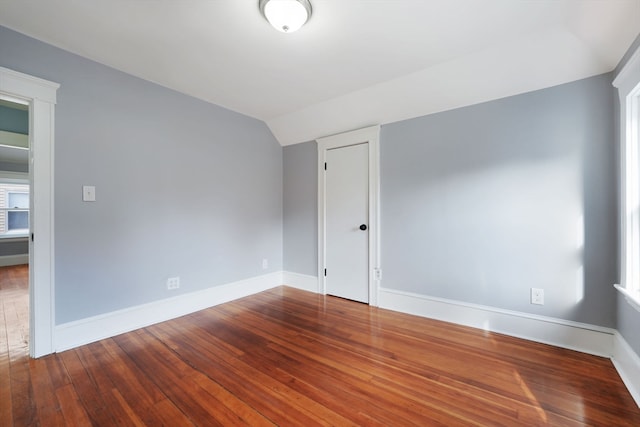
(286, 15)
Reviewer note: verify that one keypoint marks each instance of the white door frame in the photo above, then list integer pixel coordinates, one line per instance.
(371, 136)
(41, 96)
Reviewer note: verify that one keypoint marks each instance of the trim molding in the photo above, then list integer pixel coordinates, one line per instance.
(628, 75)
(632, 299)
(582, 337)
(74, 334)
(8, 260)
(25, 86)
(627, 363)
(40, 95)
(300, 281)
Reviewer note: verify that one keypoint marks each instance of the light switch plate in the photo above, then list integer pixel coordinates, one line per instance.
(88, 193)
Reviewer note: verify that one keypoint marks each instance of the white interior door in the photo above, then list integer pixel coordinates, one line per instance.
(347, 222)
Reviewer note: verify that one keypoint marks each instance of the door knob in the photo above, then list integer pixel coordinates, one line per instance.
(363, 227)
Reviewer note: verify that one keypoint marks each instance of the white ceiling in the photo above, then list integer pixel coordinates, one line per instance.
(355, 63)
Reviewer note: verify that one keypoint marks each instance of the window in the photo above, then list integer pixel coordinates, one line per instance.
(628, 83)
(14, 209)
(18, 213)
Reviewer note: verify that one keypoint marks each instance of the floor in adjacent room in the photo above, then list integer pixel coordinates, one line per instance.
(292, 358)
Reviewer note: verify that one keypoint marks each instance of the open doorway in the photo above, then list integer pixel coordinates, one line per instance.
(40, 96)
(15, 189)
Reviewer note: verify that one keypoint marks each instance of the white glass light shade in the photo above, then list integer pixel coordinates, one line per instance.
(286, 15)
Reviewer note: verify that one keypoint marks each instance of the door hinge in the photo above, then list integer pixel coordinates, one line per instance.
(325, 165)
(32, 237)
(325, 272)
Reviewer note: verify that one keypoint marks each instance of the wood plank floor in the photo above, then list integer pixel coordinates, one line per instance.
(291, 358)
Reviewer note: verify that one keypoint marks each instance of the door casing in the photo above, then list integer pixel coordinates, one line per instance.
(370, 136)
(41, 96)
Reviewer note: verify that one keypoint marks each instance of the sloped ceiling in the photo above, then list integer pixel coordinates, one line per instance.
(355, 63)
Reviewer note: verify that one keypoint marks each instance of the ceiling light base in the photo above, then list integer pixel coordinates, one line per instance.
(286, 16)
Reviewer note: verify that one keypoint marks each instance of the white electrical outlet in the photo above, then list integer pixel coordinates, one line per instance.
(173, 283)
(537, 296)
(265, 264)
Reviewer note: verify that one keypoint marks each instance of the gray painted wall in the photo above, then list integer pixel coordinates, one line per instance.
(184, 188)
(482, 203)
(301, 208)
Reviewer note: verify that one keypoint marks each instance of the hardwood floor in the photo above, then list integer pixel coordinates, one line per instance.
(291, 358)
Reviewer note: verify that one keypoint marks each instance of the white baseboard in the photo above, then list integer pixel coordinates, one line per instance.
(582, 337)
(8, 260)
(627, 363)
(85, 331)
(300, 281)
